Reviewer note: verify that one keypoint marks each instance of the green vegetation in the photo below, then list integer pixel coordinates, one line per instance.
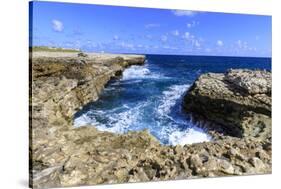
(52, 49)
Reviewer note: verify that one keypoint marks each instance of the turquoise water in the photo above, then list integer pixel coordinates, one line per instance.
(150, 97)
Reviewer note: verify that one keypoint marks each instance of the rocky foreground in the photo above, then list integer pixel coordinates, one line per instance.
(62, 155)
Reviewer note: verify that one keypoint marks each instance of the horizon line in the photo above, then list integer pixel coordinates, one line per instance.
(156, 53)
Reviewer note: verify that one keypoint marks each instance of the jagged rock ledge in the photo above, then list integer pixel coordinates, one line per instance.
(61, 155)
(238, 102)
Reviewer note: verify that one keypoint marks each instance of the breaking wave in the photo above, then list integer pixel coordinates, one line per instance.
(118, 120)
(170, 97)
(153, 103)
(140, 72)
(189, 136)
(174, 134)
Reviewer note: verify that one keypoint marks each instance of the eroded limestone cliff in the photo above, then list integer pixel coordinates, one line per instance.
(239, 102)
(62, 155)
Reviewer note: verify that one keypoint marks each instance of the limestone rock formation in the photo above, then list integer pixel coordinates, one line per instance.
(61, 155)
(253, 82)
(239, 102)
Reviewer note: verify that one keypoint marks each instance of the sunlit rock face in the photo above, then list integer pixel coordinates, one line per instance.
(239, 101)
(62, 155)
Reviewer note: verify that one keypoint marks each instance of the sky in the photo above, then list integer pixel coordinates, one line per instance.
(116, 29)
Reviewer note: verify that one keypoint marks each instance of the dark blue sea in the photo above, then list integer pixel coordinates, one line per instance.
(150, 97)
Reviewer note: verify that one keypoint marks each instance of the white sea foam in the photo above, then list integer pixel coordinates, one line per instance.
(190, 136)
(82, 121)
(130, 117)
(170, 98)
(117, 121)
(122, 121)
(171, 131)
(139, 72)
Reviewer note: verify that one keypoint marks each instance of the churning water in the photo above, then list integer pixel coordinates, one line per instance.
(150, 97)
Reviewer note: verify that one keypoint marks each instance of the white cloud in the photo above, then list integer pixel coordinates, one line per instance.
(242, 44)
(175, 32)
(115, 37)
(164, 38)
(239, 43)
(148, 36)
(69, 44)
(152, 25)
(193, 41)
(78, 43)
(219, 43)
(127, 45)
(197, 44)
(183, 12)
(208, 50)
(192, 24)
(169, 47)
(57, 25)
(186, 35)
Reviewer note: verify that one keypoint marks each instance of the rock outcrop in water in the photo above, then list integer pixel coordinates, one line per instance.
(61, 155)
(239, 102)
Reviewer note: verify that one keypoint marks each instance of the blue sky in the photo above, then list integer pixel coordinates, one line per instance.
(96, 28)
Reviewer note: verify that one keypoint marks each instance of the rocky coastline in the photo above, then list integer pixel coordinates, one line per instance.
(238, 103)
(61, 155)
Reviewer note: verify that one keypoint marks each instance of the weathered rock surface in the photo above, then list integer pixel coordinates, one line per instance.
(62, 155)
(239, 102)
(61, 83)
(253, 82)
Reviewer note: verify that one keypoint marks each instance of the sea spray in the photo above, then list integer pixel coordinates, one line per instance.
(150, 97)
(170, 97)
(140, 72)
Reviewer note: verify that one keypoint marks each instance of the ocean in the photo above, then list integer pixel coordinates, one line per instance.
(150, 97)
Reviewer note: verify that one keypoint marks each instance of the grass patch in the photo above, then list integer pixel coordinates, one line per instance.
(52, 49)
